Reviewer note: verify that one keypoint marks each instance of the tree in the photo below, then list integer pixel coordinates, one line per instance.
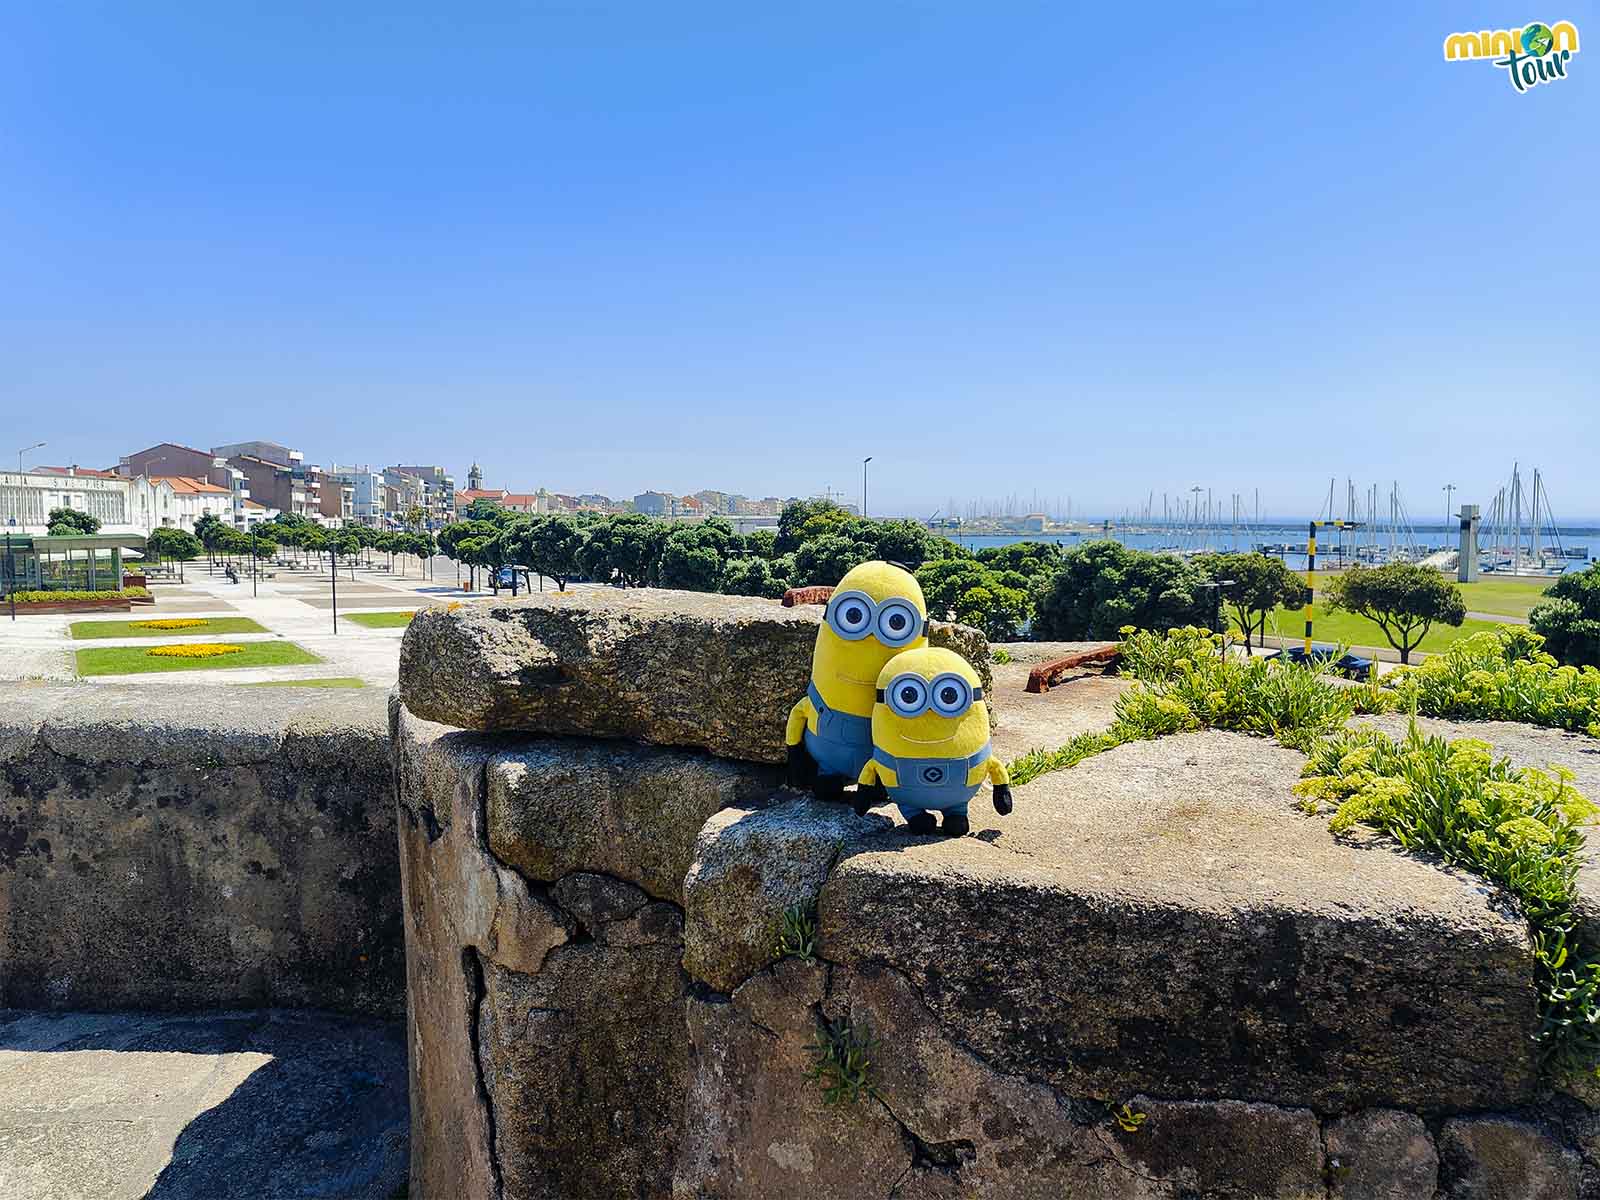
(1570, 618)
(1260, 584)
(1103, 586)
(752, 576)
(625, 549)
(453, 538)
(548, 545)
(1032, 560)
(823, 561)
(170, 544)
(1404, 599)
(415, 516)
(966, 590)
(64, 522)
(484, 509)
(762, 543)
(692, 556)
(797, 514)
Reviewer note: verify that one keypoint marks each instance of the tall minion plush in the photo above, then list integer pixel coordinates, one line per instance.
(930, 740)
(875, 613)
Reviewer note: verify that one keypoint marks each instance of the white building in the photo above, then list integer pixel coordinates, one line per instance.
(120, 504)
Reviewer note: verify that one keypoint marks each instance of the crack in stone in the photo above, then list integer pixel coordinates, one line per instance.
(472, 965)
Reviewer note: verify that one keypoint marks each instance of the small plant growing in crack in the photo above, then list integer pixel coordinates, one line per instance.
(842, 1061)
(1126, 1118)
(797, 934)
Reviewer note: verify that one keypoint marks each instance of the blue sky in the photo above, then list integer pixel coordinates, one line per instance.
(1000, 247)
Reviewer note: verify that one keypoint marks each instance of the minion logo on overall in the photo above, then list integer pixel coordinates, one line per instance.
(930, 741)
(875, 613)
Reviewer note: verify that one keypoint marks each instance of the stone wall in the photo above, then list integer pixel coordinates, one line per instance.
(212, 847)
(1157, 980)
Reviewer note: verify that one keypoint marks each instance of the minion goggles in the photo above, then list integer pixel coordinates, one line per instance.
(855, 615)
(911, 695)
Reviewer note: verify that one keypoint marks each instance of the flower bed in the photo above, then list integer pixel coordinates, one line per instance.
(194, 650)
(172, 623)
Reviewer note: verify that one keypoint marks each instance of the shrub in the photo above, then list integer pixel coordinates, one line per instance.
(64, 597)
(1501, 675)
(193, 650)
(1570, 619)
(1103, 586)
(1519, 829)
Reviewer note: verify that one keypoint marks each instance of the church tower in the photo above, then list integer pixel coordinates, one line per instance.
(475, 478)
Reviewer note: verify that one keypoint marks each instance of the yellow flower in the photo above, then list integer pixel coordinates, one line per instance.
(171, 623)
(194, 650)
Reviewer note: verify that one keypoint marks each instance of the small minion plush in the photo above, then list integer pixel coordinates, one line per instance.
(930, 740)
(875, 613)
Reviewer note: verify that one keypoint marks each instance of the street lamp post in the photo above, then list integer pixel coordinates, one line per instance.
(1449, 490)
(864, 463)
(23, 451)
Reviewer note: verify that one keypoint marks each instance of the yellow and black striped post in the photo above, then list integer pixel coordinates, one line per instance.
(1311, 568)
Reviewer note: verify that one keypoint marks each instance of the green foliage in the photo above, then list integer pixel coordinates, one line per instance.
(795, 516)
(624, 548)
(484, 509)
(1000, 656)
(547, 545)
(1039, 762)
(209, 529)
(752, 577)
(1103, 586)
(823, 561)
(1569, 620)
(1519, 829)
(64, 522)
(1403, 598)
(1126, 1118)
(797, 933)
(762, 543)
(1032, 560)
(692, 556)
(841, 1061)
(170, 544)
(966, 590)
(1501, 676)
(1260, 583)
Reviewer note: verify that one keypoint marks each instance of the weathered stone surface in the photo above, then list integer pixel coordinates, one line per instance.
(463, 910)
(674, 668)
(549, 1053)
(1162, 918)
(1500, 1158)
(1227, 1148)
(585, 1065)
(754, 1125)
(1380, 1154)
(224, 847)
(267, 1103)
(558, 806)
(750, 864)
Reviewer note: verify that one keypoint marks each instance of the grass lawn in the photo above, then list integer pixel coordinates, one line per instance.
(379, 620)
(131, 660)
(86, 630)
(1351, 630)
(1507, 597)
(338, 681)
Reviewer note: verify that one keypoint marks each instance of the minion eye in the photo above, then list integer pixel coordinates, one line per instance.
(898, 623)
(908, 696)
(850, 615)
(951, 695)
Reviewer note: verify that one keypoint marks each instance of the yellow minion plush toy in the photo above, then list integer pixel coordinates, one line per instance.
(930, 740)
(875, 613)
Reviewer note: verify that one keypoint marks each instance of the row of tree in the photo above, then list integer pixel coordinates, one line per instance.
(222, 542)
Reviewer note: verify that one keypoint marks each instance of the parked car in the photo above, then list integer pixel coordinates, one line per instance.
(1351, 666)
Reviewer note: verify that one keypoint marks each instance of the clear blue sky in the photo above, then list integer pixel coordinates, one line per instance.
(998, 246)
